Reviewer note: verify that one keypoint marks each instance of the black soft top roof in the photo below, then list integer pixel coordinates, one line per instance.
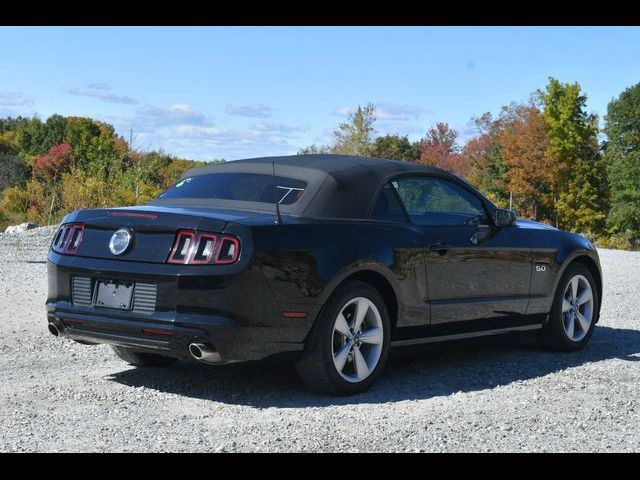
(338, 186)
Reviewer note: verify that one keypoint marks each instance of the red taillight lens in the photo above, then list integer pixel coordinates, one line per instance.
(206, 247)
(75, 239)
(68, 238)
(228, 251)
(191, 248)
(181, 252)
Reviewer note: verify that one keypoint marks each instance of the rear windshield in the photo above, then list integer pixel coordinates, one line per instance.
(247, 187)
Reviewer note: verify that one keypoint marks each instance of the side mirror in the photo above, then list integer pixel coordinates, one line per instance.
(503, 217)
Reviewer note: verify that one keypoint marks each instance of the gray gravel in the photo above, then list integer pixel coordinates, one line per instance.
(56, 395)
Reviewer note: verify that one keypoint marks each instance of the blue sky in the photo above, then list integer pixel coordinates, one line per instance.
(234, 92)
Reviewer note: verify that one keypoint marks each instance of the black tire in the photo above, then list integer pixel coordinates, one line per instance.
(316, 367)
(142, 359)
(553, 335)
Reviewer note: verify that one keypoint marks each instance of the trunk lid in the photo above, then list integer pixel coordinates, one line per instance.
(153, 229)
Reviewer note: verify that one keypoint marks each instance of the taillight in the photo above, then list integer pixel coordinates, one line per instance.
(191, 248)
(228, 251)
(68, 238)
(182, 247)
(203, 251)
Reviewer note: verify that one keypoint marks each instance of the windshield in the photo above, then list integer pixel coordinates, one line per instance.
(247, 187)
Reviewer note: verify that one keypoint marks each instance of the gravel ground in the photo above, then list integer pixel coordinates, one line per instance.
(57, 395)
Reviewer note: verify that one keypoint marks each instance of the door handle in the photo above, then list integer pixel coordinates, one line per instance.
(439, 247)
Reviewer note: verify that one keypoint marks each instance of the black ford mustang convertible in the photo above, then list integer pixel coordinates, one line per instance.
(332, 258)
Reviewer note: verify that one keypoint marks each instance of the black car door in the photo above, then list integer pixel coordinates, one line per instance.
(475, 271)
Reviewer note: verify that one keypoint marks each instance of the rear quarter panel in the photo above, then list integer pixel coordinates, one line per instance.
(304, 262)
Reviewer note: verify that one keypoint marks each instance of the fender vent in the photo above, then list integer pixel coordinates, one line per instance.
(144, 298)
(81, 291)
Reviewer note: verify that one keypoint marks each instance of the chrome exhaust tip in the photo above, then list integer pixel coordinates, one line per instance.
(196, 350)
(205, 353)
(54, 330)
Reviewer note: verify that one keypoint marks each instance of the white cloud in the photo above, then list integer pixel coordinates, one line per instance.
(344, 111)
(102, 91)
(255, 110)
(183, 130)
(177, 114)
(280, 128)
(208, 142)
(15, 99)
(388, 111)
(230, 136)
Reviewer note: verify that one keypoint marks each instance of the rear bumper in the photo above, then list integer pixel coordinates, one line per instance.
(236, 315)
(232, 342)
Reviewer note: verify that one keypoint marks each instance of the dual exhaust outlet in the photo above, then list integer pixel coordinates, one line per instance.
(205, 353)
(55, 330)
(202, 352)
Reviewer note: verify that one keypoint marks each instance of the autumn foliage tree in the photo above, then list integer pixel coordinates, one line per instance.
(71, 163)
(439, 147)
(529, 174)
(483, 157)
(58, 159)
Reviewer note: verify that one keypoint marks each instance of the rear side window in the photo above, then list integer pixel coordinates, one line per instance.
(388, 206)
(246, 187)
(434, 201)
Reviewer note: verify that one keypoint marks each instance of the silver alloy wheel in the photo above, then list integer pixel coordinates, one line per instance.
(577, 308)
(357, 340)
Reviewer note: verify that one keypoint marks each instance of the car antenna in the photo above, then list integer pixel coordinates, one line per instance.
(278, 219)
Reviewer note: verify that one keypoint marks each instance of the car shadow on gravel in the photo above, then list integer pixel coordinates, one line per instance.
(408, 376)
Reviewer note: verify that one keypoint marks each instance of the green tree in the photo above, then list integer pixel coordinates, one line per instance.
(355, 136)
(30, 138)
(79, 133)
(622, 155)
(395, 147)
(13, 171)
(483, 155)
(581, 193)
(36, 137)
(11, 124)
(314, 149)
(87, 166)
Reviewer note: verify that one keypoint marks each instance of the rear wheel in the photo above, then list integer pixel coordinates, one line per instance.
(348, 347)
(574, 310)
(142, 359)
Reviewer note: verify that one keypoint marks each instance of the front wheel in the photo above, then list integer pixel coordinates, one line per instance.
(574, 311)
(348, 346)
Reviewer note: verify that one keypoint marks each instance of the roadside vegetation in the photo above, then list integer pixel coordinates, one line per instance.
(49, 168)
(547, 158)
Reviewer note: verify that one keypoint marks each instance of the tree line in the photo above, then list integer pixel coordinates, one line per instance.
(546, 158)
(50, 168)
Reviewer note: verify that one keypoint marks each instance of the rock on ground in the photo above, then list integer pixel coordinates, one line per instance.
(23, 227)
(57, 395)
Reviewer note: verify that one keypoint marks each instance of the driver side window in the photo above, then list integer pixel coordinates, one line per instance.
(434, 201)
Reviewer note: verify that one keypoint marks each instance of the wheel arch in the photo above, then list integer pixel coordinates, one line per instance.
(593, 267)
(374, 275)
(384, 288)
(592, 264)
